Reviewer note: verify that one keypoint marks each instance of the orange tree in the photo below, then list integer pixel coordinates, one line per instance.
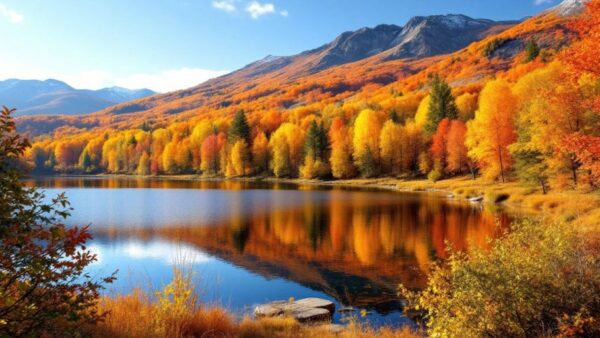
(44, 288)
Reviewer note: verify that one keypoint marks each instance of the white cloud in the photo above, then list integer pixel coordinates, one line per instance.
(256, 9)
(284, 13)
(163, 81)
(168, 80)
(541, 2)
(224, 5)
(10, 14)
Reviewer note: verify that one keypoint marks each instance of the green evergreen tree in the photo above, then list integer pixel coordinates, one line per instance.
(441, 106)
(532, 50)
(316, 143)
(239, 129)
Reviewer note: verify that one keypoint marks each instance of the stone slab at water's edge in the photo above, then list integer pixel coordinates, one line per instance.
(303, 310)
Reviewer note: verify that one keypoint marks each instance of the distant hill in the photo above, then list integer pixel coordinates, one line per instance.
(51, 97)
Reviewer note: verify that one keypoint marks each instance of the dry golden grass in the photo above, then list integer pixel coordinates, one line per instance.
(133, 316)
(581, 207)
(176, 312)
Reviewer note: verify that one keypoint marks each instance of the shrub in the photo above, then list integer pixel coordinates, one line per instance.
(43, 287)
(174, 311)
(539, 280)
(434, 175)
(492, 46)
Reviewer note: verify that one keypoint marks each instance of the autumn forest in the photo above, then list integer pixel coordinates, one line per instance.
(534, 118)
(440, 178)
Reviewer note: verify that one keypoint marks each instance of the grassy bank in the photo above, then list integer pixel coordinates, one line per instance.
(175, 311)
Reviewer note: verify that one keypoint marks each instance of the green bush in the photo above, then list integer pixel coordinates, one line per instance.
(492, 46)
(538, 280)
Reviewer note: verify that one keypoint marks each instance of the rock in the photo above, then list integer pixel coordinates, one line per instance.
(317, 303)
(267, 310)
(450, 196)
(308, 310)
(307, 315)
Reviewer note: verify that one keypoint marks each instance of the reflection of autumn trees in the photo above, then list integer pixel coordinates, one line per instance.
(373, 240)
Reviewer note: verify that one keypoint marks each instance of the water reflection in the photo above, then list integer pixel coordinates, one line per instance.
(354, 246)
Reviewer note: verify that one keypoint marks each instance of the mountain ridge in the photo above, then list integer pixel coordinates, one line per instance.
(282, 83)
(51, 96)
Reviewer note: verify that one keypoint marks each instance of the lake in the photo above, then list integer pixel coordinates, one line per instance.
(252, 243)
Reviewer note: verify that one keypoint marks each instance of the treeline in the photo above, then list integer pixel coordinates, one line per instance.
(540, 123)
(522, 127)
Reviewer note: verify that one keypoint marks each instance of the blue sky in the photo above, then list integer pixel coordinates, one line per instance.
(171, 44)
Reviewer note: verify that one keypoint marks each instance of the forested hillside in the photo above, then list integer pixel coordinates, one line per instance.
(521, 102)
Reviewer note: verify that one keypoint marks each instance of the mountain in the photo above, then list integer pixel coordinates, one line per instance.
(569, 7)
(422, 36)
(34, 97)
(119, 94)
(397, 59)
(426, 36)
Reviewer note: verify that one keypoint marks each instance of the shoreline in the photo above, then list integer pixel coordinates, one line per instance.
(514, 197)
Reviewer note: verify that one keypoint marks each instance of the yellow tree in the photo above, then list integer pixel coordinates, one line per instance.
(466, 105)
(366, 141)
(422, 112)
(143, 167)
(239, 157)
(391, 140)
(551, 109)
(160, 138)
(286, 145)
(493, 130)
(168, 157)
(260, 153)
(341, 150)
(413, 145)
(199, 133)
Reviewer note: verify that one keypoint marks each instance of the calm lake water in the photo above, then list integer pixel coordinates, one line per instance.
(251, 243)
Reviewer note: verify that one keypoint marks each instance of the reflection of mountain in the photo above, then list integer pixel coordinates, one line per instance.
(353, 247)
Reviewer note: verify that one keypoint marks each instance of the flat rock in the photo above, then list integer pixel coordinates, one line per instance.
(304, 310)
(267, 310)
(307, 314)
(318, 303)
